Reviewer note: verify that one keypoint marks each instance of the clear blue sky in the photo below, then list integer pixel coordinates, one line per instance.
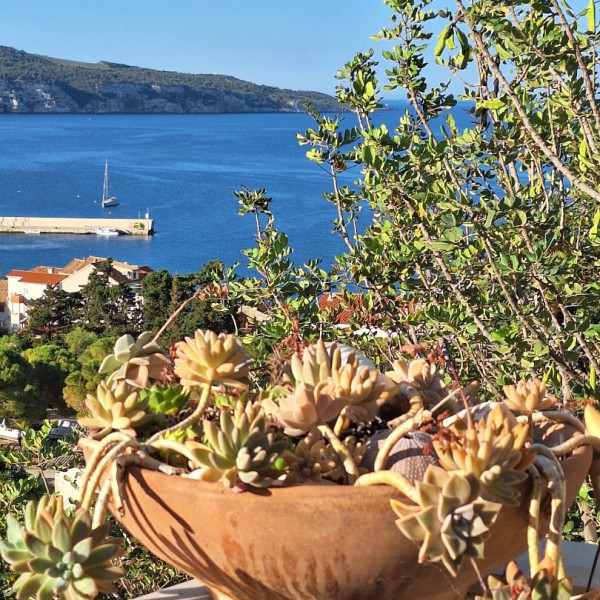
(290, 44)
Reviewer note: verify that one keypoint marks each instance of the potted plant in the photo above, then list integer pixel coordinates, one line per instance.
(338, 481)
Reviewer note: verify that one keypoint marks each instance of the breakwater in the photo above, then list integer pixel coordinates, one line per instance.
(44, 225)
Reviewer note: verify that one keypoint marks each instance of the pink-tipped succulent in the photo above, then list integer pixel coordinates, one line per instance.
(528, 396)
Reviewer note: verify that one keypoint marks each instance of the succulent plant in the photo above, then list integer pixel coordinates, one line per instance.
(543, 585)
(180, 435)
(57, 556)
(115, 408)
(591, 417)
(242, 450)
(313, 366)
(422, 376)
(135, 361)
(361, 386)
(210, 358)
(450, 519)
(528, 396)
(307, 406)
(494, 451)
(313, 458)
(165, 399)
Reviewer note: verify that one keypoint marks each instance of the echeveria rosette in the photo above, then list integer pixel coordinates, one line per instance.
(210, 358)
(115, 408)
(166, 399)
(528, 396)
(363, 388)
(313, 366)
(420, 375)
(242, 450)
(307, 406)
(495, 451)
(450, 520)
(57, 556)
(136, 361)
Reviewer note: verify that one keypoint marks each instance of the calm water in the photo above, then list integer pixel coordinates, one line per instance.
(182, 168)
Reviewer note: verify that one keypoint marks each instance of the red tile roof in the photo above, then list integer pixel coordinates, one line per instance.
(341, 308)
(36, 277)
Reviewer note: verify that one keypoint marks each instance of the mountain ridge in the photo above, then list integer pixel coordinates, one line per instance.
(33, 83)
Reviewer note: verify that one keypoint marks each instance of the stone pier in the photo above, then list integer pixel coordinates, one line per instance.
(42, 225)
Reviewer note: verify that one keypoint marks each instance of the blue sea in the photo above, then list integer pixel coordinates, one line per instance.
(182, 169)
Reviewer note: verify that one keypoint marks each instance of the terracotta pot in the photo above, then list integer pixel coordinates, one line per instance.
(324, 542)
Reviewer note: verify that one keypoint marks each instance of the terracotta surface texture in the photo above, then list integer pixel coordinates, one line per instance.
(319, 542)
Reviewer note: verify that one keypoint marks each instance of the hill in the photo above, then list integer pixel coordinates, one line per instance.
(30, 83)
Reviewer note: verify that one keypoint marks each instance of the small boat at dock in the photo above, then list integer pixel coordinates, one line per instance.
(107, 232)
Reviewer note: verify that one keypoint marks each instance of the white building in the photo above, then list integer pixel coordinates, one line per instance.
(23, 286)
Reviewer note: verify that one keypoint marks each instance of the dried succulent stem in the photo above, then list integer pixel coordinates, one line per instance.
(188, 420)
(95, 458)
(341, 450)
(576, 442)
(557, 417)
(419, 419)
(391, 478)
(102, 502)
(164, 444)
(534, 519)
(550, 468)
(97, 470)
(341, 423)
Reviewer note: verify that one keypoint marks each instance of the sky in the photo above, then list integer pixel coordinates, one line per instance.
(298, 44)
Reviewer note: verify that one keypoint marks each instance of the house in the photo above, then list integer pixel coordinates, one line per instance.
(4, 310)
(23, 286)
(79, 270)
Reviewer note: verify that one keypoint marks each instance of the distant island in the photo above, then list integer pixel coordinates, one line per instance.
(30, 83)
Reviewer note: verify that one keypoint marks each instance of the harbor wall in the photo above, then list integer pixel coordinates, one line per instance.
(143, 227)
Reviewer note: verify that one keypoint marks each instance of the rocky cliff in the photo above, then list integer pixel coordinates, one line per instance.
(35, 84)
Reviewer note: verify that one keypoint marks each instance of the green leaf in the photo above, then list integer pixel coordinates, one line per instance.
(442, 41)
(494, 104)
(591, 17)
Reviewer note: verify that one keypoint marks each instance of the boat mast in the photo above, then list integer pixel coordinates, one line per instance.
(105, 187)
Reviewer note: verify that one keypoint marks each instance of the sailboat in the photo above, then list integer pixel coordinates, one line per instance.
(106, 199)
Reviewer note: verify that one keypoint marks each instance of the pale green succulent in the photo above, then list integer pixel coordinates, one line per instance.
(450, 519)
(242, 450)
(216, 359)
(313, 366)
(135, 361)
(57, 556)
(115, 408)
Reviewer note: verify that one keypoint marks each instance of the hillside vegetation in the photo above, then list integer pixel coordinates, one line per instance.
(33, 83)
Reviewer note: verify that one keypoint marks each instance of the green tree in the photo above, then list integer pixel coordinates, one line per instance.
(489, 233)
(109, 309)
(78, 340)
(52, 315)
(51, 365)
(19, 397)
(156, 291)
(85, 379)
(163, 294)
